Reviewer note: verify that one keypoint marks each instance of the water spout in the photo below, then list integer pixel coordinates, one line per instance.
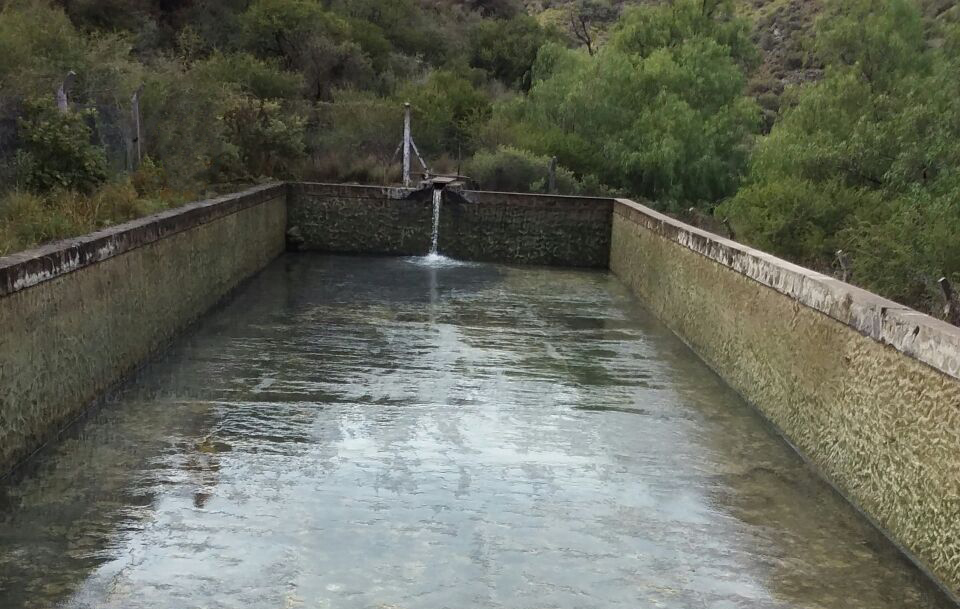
(435, 237)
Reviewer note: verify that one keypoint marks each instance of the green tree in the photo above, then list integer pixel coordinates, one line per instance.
(866, 160)
(447, 109)
(309, 39)
(507, 48)
(56, 150)
(659, 112)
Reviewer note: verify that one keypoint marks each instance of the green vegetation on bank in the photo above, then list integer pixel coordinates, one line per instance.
(868, 159)
(806, 135)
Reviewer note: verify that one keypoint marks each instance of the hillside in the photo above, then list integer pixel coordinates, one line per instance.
(806, 126)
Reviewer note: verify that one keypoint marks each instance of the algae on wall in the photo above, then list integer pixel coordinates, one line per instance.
(883, 427)
(78, 331)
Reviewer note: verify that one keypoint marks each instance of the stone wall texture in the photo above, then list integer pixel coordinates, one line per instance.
(526, 229)
(79, 315)
(349, 219)
(481, 226)
(863, 387)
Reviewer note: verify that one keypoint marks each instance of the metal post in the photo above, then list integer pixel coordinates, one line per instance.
(137, 136)
(951, 311)
(407, 139)
(63, 102)
(844, 260)
(552, 177)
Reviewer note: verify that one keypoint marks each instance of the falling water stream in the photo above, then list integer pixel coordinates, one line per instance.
(437, 200)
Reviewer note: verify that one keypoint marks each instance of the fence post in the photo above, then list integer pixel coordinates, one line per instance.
(63, 102)
(951, 311)
(844, 260)
(552, 176)
(407, 139)
(137, 135)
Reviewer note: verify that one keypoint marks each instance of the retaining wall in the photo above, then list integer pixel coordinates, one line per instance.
(78, 315)
(482, 226)
(865, 388)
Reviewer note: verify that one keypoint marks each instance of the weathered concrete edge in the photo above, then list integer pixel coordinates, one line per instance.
(921, 337)
(482, 196)
(31, 267)
(351, 190)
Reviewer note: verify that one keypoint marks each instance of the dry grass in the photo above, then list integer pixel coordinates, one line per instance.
(28, 219)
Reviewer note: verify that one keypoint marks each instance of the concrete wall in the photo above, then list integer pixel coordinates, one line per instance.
(528, 229)
(865, 388)
(78, 315)
(495, 227)
(361, 219)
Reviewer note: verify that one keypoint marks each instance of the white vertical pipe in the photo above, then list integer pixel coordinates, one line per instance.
(407, 139)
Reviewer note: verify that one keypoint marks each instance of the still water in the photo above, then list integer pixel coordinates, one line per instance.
(419, 434)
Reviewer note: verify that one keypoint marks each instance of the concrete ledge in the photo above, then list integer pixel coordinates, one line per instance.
(79, 315)
(864, 388)
(924, 338)
(31, 267)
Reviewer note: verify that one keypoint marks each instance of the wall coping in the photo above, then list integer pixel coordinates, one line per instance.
(28, 268)
(332, 189)
(922, 337)
(919, 336)
(401, 192)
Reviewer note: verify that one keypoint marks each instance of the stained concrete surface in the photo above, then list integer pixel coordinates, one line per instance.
(369, 432)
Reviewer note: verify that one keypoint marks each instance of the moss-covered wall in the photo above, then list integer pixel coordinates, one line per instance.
(827, 363)
(77, 316)
(485, 226)
(527, 229)
(865, 388)
(348, 219)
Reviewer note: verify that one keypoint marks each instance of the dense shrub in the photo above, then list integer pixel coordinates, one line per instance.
(659, 112)
(866, 160)
(56, 149)
(507, 48)
(513, 170)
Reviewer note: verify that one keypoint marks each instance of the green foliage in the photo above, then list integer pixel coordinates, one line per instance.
(25, 219)
(793, 217)
(866, 160)
(513, 170)
(261, 78)
(360, 123)
(507, 48)
(447, 108)
(268, 140)
(55, 149)
(181, 120)
(647, 30)
(309, 39)
(659, 112)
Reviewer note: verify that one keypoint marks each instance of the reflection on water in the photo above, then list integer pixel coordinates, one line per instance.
(414, 433)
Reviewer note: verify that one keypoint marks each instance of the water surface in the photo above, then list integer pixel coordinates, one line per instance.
(395, 433)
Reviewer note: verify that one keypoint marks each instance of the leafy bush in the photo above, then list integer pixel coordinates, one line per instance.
(866, 160)
(659, 112)
(56, 149)
(514, 170)
(261, 78)
(268, 139)
(447, 108)
(507, 48)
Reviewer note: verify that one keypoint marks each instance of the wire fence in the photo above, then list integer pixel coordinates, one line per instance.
(112, 128)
